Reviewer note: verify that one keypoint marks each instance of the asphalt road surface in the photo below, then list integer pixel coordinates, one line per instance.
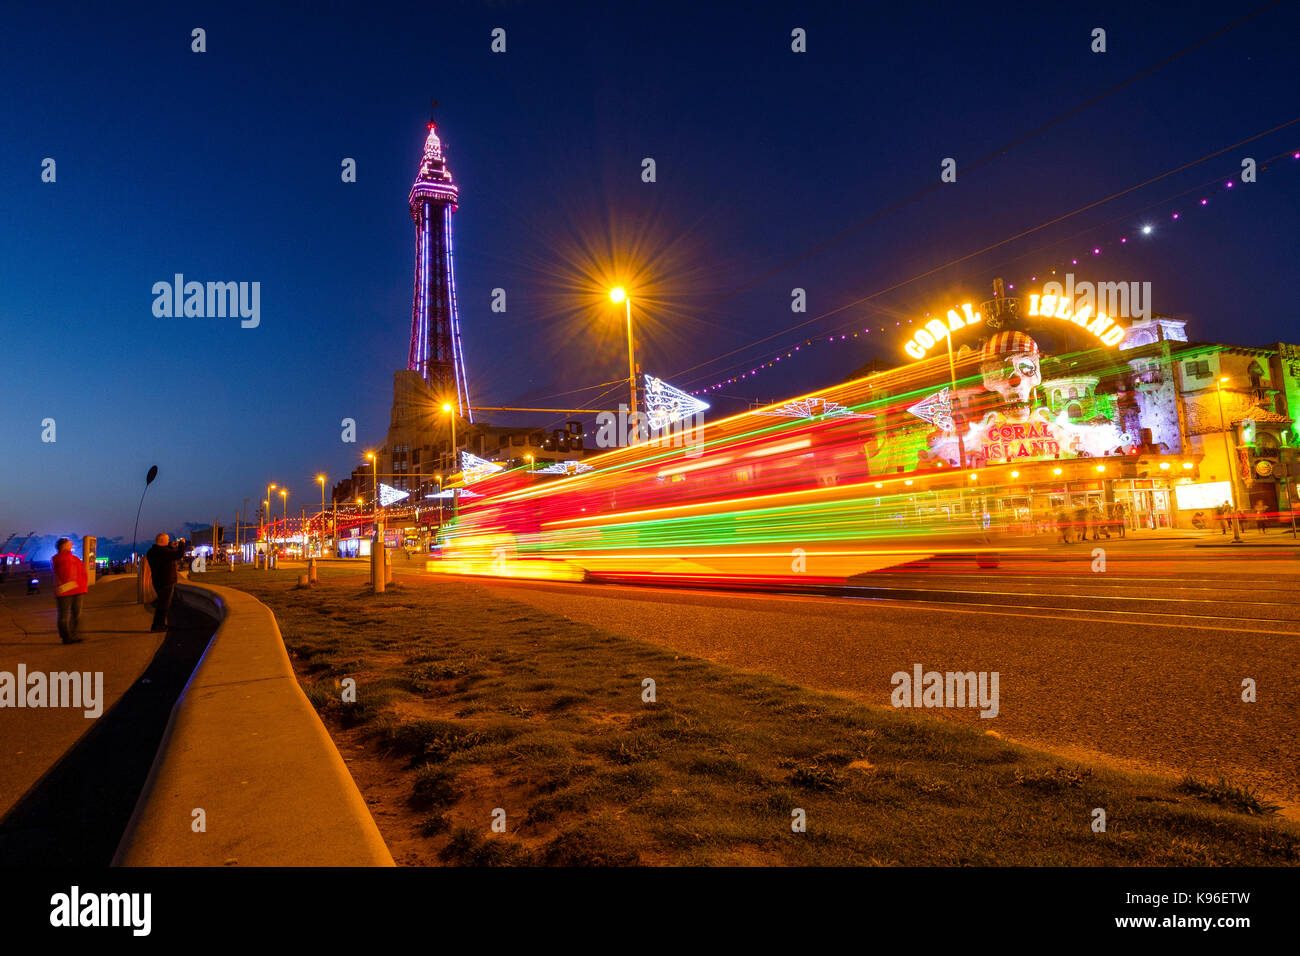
(1139, 667)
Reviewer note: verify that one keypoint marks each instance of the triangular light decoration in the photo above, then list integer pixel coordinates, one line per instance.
(473, 467)
(935, 409)
(665, 404)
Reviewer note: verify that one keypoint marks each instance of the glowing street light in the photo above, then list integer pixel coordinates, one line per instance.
(374, 461)
(446, 407)
(616, 295)
(267, 513)
(321, 480)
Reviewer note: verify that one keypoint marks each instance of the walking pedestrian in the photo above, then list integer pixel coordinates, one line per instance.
(1081, 519)
(69, 588)
(1063, 525)
(1260, 512)
(163, 559)
(1221, 515)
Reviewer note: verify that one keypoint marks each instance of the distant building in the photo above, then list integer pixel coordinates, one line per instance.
(1165, 425)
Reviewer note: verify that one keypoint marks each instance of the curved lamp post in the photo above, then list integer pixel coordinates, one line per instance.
(135, 536)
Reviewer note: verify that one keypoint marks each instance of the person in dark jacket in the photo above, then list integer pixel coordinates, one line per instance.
(69, 589)
(162, 560)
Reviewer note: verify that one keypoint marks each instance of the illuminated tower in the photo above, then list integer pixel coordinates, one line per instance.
(436, 354)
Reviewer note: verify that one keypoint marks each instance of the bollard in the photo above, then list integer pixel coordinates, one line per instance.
(388, 567)
(311, 570)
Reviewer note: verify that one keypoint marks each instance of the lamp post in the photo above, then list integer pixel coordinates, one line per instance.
(455, 460)
(135, 536)
(321, 480)
(266, 515)
(284, 497)
(374, 463)
(447, 409)
(1227, 451)
(616, 295)
(952, 402)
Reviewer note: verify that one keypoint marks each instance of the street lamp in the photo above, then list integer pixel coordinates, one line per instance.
(374, 462)
(616, 295)
(1227, 451)
(267, 513)
(321, 480)
(446, 407)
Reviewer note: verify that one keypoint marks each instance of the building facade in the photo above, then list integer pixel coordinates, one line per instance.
(1085, 411)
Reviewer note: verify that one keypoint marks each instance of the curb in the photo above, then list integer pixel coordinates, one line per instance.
(244, 745)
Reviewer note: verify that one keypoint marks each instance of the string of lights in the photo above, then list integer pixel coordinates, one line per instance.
(1093, 250)
(967, 168)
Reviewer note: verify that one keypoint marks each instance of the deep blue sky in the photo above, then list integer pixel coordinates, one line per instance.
(225, 166)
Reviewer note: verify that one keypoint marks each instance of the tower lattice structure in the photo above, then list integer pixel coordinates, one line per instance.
(436, 353)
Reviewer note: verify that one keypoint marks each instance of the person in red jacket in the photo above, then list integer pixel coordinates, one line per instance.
(69, 587)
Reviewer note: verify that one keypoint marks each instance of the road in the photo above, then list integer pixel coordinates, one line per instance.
(1139, 667)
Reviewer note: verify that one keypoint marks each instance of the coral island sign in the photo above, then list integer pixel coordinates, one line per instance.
(1062, 307)
(1045, 305)
(936, 331)
(1005, 441)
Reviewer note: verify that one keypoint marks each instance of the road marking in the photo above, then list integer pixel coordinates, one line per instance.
(953, 608)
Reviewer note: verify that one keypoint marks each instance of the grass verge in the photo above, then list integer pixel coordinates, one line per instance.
(472, 710)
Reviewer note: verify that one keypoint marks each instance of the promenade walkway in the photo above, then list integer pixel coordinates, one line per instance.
(117, 644)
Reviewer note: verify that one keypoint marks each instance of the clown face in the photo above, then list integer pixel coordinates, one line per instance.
(1013, 376)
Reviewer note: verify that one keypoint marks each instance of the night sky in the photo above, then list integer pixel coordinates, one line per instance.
(225, 166)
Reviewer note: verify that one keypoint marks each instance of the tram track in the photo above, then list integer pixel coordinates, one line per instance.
(1167, 611)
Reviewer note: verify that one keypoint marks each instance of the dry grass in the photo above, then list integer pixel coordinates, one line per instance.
(475, 704)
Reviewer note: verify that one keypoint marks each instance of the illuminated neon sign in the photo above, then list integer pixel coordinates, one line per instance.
(1062, 307)
(936, 331)
(1009, 440)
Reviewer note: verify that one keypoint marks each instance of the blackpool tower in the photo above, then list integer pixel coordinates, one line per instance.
(436, 354)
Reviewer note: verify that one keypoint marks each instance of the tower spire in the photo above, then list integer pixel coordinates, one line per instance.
(436, 352)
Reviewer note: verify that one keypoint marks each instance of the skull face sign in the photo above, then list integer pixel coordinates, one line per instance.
(1010, 368)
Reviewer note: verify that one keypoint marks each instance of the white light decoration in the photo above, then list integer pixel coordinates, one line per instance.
(388, 494)
(474, 468)
(665, 404)
(563, 468)
(811, 408)
(935, 409)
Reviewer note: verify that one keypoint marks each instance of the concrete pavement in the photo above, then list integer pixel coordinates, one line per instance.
(118, 644)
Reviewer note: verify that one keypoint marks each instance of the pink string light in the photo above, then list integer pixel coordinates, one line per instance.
(1096, 251)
